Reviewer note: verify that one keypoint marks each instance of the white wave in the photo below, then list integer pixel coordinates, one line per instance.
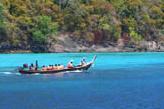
(67, 72)
(6, 73)
(9, 73)
(78, 71)
(36, 74)
(63, 72)
(18, 73)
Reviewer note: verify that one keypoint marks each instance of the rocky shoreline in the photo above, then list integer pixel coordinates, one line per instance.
(94, 48)
(67, 44)
(103, 50)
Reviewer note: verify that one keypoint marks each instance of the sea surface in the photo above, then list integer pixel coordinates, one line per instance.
(115, 81)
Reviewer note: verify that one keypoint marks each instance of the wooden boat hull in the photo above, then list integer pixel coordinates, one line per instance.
(82, 68)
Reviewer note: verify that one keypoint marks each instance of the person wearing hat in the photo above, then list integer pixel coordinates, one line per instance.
(83, 62)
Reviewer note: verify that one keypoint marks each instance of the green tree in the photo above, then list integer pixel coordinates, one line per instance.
(42, 30)
(1, 12)
(34, 22)
(74, 15)
(2, 24)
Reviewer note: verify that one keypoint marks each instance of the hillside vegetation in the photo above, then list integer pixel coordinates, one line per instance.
(36, 24)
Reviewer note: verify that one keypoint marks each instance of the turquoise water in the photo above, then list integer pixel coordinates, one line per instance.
(116, 81)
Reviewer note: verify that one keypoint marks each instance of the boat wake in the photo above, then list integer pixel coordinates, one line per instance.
(8, 73)
(13, 72)
(76, 71)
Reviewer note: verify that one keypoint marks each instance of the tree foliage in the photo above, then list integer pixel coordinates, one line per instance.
(42, 28)
(34, 22)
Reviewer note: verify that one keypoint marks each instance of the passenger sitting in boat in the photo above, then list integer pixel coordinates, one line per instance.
(83, 62)
(60, 67)
(70, 65)
(44, 68)
(32, 67)
(54, 67)
(25, 65)
(50, 67)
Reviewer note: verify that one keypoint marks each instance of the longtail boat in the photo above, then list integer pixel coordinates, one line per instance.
(81, 68)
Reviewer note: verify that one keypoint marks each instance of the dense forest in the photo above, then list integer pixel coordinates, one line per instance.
(36, 24)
